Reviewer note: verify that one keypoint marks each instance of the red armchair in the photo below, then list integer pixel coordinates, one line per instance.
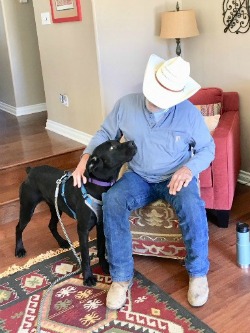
(219, 180)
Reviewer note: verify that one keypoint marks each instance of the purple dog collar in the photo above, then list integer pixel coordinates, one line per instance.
(100, 182)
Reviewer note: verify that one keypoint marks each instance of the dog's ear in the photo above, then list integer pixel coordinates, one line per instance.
(94, 163)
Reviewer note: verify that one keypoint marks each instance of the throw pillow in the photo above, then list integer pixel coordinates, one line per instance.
(212, 122)
(210, 109)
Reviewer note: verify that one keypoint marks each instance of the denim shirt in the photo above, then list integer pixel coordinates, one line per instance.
(164, 145)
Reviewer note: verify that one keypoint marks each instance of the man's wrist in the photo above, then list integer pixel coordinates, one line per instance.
(188, 170)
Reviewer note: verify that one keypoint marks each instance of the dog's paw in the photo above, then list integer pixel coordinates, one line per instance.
(90, 281)
(64, 244)
(20, 253)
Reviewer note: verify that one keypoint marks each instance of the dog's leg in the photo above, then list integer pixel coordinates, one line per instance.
(26, 212)
(89, 278)
(63, 243)
(85, 221)
(28, 202)
(101, 249)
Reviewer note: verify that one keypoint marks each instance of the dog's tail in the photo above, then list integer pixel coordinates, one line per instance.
(28, 170)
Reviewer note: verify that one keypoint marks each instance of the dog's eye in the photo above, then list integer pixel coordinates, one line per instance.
(111, 148)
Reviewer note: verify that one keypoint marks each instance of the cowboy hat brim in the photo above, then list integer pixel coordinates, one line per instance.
(160, 96)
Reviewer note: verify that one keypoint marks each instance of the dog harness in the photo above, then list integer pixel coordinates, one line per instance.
(94, 204)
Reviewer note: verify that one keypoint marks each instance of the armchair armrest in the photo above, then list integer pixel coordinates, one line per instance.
(226, 165)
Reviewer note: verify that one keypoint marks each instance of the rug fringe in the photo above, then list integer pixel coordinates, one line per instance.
(49, 254)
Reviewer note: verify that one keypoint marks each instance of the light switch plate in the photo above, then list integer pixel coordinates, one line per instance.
(45, 18)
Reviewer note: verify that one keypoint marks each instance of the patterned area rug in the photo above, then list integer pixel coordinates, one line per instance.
(72, 307)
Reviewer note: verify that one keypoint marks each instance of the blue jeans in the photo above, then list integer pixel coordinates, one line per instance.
(132, 192)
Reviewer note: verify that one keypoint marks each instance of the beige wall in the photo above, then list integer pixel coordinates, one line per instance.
(222, 60)
(99, 59)
(69, 64)
(7, 94)
(127, 33)
(23, 68)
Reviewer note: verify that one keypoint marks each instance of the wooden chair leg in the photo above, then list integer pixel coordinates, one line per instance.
(219, 217)
(222, 218)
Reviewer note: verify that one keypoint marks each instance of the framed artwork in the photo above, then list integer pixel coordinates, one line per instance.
(65, 10)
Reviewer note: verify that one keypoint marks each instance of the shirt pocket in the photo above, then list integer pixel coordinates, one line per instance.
(177, 142)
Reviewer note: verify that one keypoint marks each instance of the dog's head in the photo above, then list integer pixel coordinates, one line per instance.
(108, 158)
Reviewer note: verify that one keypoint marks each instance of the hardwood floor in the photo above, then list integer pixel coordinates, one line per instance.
(25, 142)
(227, 310)
(25, 139)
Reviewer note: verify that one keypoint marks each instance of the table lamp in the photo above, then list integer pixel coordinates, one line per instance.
(178, 24)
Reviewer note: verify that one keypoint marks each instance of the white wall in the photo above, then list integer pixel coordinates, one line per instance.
(127, 33)
(98, 59)
(7, 94)
(24, 58)
(69, 65)
(222, 60)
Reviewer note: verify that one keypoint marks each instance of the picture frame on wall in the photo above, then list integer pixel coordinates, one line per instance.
(65, 10)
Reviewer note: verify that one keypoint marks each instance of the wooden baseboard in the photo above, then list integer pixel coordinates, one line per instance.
(23, 110)
(68, 132)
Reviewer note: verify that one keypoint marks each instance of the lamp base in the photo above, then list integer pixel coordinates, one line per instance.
(178, 46)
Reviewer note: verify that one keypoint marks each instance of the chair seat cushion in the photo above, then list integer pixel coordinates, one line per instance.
(155, 231)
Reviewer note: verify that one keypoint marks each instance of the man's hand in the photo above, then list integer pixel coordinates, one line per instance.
(180, 178)
(78, 174)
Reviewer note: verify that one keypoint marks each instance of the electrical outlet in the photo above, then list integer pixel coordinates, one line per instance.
(45, 17)
(64, 99)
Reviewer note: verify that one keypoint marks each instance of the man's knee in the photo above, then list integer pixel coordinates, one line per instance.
(188, 198)
(110, 198)
(113, 199)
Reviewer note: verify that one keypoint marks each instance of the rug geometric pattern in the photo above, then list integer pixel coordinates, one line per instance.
(72, 307)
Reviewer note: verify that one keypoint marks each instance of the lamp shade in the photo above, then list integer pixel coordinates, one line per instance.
(178, 24)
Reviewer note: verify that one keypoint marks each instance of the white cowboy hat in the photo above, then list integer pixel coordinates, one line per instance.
(167, 83)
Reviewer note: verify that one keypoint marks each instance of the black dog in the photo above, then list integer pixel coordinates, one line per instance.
(102, 170)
